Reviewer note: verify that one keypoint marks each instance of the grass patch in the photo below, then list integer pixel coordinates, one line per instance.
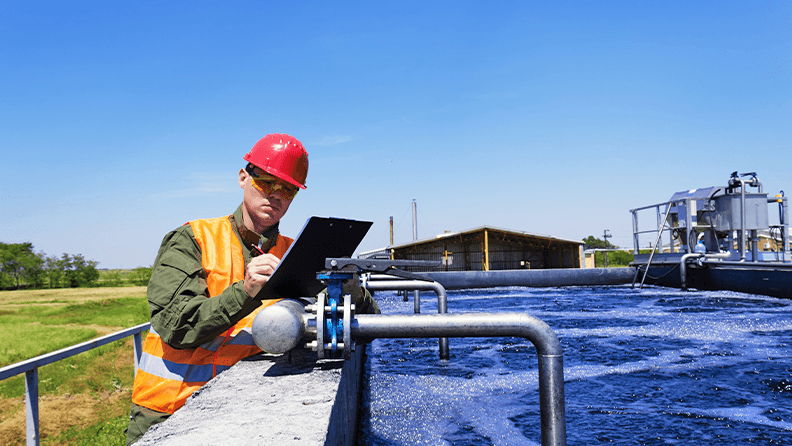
(28, 331)
(108, 430)
(119, 312)
(19, 342)
(84, 399)
(70, 295)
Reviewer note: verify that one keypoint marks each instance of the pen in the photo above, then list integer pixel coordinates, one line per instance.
(257, 250)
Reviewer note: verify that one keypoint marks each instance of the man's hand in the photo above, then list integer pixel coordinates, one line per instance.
(258, 272)
(352, 287)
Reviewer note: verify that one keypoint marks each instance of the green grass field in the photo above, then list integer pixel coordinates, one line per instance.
(83, 399)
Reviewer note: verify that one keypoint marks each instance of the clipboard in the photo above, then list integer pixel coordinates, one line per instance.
(320, 238)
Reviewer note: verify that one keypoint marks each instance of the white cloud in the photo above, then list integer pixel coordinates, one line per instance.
(332, 140)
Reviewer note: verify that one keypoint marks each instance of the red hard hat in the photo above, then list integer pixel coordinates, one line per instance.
(281, 155)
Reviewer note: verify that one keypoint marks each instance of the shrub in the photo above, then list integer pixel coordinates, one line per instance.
(140, 275)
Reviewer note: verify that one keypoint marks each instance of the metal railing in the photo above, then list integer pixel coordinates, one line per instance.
(661, 227)
(30, 369)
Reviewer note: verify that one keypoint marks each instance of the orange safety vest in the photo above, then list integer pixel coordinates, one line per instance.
(167, 376)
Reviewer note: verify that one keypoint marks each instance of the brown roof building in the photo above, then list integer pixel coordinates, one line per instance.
(487, 249)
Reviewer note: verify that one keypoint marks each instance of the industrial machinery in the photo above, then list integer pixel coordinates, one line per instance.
(331, 328)
(726, 235)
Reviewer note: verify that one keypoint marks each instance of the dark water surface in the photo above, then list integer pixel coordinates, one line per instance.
(656, 366)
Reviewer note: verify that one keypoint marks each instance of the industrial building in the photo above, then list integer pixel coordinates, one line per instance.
(487, 249)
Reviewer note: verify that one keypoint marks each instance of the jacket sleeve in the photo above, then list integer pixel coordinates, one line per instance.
(181, 311)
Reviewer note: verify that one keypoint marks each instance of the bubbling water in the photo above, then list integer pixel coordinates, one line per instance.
(654, 366)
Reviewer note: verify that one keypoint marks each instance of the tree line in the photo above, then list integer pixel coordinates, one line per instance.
(21, 266)
(614, 258)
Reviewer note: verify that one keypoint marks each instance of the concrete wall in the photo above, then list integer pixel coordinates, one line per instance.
(291, 399)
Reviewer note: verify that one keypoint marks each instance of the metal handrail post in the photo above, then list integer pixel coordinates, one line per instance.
(659, 223)
(137, 341)
(689, 223)
(31, 407)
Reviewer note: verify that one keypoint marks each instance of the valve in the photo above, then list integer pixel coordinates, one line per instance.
(283, 325)
(330, 326)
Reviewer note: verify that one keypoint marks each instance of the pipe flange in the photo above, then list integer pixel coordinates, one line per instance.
(349, 346)
(320, 325)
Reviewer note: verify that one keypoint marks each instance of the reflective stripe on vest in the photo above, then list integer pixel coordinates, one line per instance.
(167, 376)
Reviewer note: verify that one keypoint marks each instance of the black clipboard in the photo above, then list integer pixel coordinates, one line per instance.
(320, 238)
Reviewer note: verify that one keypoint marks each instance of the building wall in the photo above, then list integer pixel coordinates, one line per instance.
(465, 252)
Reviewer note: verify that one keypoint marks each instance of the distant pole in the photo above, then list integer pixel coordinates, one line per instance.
(605, 237)
(415, 220)
(391, 231)
(416, 293)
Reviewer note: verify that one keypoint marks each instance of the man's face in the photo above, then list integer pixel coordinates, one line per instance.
(265, 202)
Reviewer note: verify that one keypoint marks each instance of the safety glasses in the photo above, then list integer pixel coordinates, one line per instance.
(269, 185)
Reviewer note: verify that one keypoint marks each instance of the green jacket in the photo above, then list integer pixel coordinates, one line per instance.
(177, 292)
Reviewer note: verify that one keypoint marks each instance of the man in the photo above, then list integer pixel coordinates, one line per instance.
(203, 288)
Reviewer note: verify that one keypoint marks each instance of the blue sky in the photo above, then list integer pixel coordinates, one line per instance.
(120, 121)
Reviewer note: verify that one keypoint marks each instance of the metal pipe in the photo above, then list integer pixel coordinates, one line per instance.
(442, 299)
(686, 257)
(457, 280)
(366, 277)
(279, 327)
(367, 326)
(551, 366)
(683, 268)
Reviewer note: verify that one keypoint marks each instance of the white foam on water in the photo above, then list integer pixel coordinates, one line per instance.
(664, 361)
(670, 334)
(409, 409)
(748, 414)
